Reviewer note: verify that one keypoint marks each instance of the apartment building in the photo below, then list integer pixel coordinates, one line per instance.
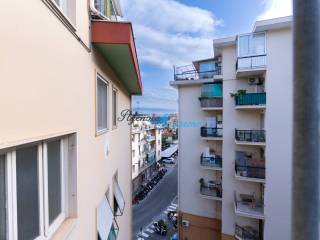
(67, 69)
(235, 157)
(146, 152)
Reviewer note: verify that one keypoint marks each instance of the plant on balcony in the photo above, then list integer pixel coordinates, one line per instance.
(239, 93)
(201, 181)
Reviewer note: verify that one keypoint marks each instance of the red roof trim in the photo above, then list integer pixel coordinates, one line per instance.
(117, 33)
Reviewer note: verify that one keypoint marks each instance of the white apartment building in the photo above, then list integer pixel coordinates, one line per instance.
(68, 68)
(146, 152)
(235, 162)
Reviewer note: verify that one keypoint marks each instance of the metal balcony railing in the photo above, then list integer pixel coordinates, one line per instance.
(251, 99)
(210, 102)
(250, 135)
(214, 162)
(210, 132)
(251, 62)
(211, 189)
(250, 171)
(190, 73)
(246, 233)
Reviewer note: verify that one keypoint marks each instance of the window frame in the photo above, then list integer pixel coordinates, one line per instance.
(45, 231)
(106, 129)
(114, 107)
(251, 36)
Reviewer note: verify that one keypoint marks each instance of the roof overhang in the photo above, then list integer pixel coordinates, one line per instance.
(115, 42)
(219, 44)
(272, 24)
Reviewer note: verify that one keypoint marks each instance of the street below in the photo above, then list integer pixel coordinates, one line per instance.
(157, 201)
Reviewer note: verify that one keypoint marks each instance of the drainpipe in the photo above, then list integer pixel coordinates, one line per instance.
(306, 144)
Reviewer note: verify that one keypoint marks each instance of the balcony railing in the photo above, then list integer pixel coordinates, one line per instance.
(251, 99)
(249, 206)
(246, 233)
(250, 171)
(212, 162)
(210, 102)
(250, 135)
(211, 132)
(190, 73)
(211, 189)
(251, 62)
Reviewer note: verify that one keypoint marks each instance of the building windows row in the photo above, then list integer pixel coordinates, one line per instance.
(103, 103)
(37, 184)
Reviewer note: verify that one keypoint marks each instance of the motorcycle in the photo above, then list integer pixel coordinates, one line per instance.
(160, 228)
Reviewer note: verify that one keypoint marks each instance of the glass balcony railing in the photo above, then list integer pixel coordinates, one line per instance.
(189, 72)
(211, 132)
(251, 62)
(211, 162)
(250, 99)
(210, 189)
(249, 206)
(250, 171)
(250, 135)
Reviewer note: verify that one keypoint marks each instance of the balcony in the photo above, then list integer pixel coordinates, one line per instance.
(211, 162)
(115, 42)
(249, 206)
(246, 233)
(210, 133)
(211, 96)
(250, 173)
(252, 57)
(209, 69)
(250, 137)
(210, 190)
(150, 138)
(251, 101)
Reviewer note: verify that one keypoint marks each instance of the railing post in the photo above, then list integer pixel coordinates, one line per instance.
(306, 182)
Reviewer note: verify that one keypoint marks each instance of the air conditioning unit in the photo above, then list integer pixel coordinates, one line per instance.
(185, 223)
(254, 80)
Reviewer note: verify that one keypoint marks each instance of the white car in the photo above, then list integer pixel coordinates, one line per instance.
(168, 160)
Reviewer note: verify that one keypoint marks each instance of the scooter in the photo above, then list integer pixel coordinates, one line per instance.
(160, 228)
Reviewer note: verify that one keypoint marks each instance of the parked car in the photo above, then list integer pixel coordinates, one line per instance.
(168, 161)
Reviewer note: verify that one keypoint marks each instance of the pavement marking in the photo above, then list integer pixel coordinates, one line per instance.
(166, 212)
(173, 204)
(149, 230)
(171, 208)
(144, 235)
(140, 238)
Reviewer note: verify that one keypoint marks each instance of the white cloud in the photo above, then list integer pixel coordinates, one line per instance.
(276, 8)
(168, 32)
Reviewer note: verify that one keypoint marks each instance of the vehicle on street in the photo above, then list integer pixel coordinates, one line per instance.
(168, 160)
(160, 228)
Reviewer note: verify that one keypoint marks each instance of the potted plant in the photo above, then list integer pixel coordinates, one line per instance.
(239, 93)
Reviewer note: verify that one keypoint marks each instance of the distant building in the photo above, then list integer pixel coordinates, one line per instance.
(146, 152)
(235, 170)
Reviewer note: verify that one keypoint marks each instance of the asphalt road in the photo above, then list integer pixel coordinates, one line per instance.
(156, 202)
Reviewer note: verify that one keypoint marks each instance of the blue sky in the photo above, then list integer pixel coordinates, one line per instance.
(175, 32)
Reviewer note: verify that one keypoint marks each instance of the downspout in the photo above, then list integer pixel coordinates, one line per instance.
(306, 144)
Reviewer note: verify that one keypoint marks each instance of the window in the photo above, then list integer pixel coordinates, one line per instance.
(118, 199)
(102, 104)
(39, 175)
(3, 198)
(251, 45)
(106, 8)
(133, 168)
(133, 137)
(66, 8)
(114, 107)
(133, 153)
(158, 142)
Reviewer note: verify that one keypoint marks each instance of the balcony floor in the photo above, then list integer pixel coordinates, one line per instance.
(250, 107)
(250, 143)
(248, 179)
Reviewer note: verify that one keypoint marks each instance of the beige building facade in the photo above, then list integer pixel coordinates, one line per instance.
(67, 70)
(235, 159)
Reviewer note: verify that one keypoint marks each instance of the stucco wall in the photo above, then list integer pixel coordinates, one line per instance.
(48, 86)
(279, 135)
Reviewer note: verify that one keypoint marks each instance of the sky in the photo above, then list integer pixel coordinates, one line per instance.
(176, 32)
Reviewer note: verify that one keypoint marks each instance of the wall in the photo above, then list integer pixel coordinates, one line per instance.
(49, 82)
(279, 135)
(232, 119)
(190, 148)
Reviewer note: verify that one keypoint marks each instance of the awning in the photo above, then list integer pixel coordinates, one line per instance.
(119, 198)
(115, 42)
(104, 219)
(169, 151)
